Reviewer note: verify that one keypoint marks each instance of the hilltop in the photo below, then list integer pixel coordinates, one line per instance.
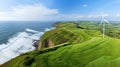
(71, 46)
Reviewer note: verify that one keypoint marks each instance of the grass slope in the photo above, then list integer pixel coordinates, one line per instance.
(91, 51)
(73, 35)
(59, 36)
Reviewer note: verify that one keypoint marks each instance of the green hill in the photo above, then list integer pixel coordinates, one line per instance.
(63, 35)
(86, 48)
(58, 36)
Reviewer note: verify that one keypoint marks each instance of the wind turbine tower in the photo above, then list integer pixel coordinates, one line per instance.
(103, 22)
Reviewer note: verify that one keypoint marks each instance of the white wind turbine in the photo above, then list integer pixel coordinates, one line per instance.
(103, 22)
(76, 21)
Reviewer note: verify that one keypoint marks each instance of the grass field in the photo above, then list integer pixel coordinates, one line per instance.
(90, 50)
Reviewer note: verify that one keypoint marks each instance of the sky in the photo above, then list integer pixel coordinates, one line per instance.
(53, 10)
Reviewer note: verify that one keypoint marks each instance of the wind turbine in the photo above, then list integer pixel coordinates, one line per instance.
(103, 22)
(76, 20)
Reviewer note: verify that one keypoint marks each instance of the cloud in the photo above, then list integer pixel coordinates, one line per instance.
(39, 12)
(28, 12)
(5, 15)
(85, 5)
(117, 15)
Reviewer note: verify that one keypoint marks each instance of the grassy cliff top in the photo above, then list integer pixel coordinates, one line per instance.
(74, 35)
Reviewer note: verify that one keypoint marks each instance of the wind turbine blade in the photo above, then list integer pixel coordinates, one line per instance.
(101, 22)
(107, 21)
(102, 16)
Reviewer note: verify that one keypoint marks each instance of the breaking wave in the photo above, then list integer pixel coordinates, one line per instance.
(20, 43)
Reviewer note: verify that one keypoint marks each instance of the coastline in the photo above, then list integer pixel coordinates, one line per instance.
(14, 50)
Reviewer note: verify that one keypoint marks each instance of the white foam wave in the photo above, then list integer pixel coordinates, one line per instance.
(30, 30)
(19, 44)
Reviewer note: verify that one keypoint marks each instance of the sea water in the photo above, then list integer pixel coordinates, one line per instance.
(16, 37)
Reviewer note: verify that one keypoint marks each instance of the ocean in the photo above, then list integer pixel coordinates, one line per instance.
(16, 37)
